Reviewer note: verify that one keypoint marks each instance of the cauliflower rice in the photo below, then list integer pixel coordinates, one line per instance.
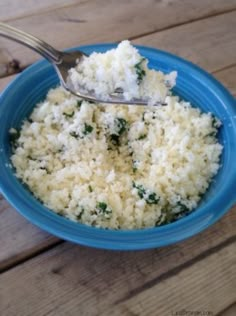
(116, 166)
(122, 68)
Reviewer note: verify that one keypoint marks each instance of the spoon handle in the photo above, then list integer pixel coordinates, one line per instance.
(44, 49)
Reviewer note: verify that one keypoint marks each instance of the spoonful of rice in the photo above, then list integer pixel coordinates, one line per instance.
(119, 76)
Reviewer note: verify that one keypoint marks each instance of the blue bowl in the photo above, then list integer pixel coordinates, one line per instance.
(193, 84)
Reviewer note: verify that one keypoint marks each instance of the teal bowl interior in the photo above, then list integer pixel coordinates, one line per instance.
(193, 84)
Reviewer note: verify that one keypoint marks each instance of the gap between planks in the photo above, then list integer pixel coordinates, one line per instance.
(178, 269)
(206, 286)
(204, 17)
(74, 279)
(228, 311)
(5, 266)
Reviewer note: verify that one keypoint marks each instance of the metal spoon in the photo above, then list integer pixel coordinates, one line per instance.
(62, 62)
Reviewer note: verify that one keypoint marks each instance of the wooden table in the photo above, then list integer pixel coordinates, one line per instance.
(42, 275)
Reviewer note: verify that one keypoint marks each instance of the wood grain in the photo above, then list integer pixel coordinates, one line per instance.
(207, 286)
(19, 239)
(5, 81)
(229, 311)
(228, 78)
(71, 278)
(12, 9)
(210, 43)
(102, 21)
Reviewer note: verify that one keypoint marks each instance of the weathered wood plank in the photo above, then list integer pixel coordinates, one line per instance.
(13, 9)
(5, 81)
(19, 239)
(210, 43)
(228, 78)
(87, 280)
(205, 288)
(102, 21)
(230, 311)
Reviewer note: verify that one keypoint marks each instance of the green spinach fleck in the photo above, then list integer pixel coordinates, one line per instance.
(80, 214)
(14, 136)
(152, 198)
(68, 114)
(140, 71)
(135, 168)
(74, 134)
(90, 188)
(120, 127)
(46, 169)
(149, 197)
(166, 218)
(142, 136)
(79, 103)
(104, 209)
(214, 122)
(87, 129)
(211, 134)
(115, 139)
(182, 207)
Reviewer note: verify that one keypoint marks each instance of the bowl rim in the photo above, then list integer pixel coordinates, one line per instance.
(170, 233)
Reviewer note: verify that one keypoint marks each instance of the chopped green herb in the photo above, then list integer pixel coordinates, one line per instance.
(141, 190)
(142, 136)
(74, 134)
(46, 169)
(90, 188)
(121, 125)
(143, 116)
(150, 198)
(80, 214)
(211, 134)
(135, 168)
(182, 208)
(167, 217)
(79, 102)
(214, 122)
(102, 206)
(69, 114)
(115, 139)
(139, 71)
(104, 209)
(14, 136)
(87, 129)
(120, 128)
(31, 158)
